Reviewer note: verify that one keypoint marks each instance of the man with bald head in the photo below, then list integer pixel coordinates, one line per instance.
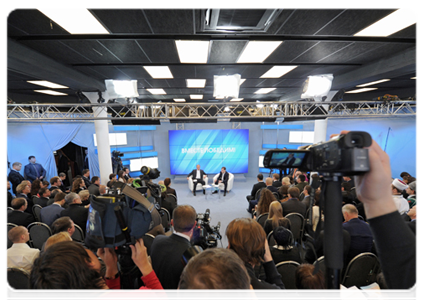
(198, 176)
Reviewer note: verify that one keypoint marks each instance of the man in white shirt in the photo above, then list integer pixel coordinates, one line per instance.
(20, 255)
(397, 187)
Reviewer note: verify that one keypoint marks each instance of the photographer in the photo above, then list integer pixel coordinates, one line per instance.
(167, 251)
(68, 265)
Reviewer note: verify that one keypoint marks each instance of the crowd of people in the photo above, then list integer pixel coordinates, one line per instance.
(379, 216)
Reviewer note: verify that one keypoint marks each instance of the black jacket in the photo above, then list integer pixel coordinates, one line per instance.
(15, 179)
(273, 278)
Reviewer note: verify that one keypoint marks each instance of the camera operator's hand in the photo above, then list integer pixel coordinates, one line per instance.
(140, 257)
(109, 257)
(374, 187)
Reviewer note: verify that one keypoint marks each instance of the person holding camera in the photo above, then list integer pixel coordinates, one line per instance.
(198, 176)
(67, 270)
(167, 251)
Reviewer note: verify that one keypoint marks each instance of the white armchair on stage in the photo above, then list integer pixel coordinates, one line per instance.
(221, 185)
(199, 186)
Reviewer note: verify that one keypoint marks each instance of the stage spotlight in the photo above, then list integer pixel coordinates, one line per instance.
(317, 87)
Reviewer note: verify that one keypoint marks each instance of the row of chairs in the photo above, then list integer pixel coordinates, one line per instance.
(39, 233)
(362, 270)
(297, 224)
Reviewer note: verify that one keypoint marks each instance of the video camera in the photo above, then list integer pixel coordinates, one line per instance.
(117, 161)
(204, 235)
(344, 154)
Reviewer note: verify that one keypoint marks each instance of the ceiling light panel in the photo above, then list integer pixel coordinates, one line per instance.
(360, 90)
(394, 22)
(277, 71)
(196, 83)
(75, 21)
(193, 52)
(258, 51)
(48, 84)
(196, 97)
(179, 100)
(236, 99)
(157, 91)
(264, 91)
(373, 82)
(50, 92)
(158, 72)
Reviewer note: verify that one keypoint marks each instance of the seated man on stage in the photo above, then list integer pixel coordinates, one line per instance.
(222, 178)
(198, 176)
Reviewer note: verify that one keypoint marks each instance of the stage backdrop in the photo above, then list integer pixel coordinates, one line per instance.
(211, 149)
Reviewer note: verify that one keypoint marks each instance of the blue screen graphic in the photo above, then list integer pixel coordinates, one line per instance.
(211, 149)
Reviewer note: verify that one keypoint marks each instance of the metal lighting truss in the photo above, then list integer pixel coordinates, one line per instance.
(226, 111)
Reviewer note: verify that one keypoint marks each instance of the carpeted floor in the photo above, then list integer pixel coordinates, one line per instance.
(222, 209)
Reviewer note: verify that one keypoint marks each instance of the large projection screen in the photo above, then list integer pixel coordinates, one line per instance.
(211, 149)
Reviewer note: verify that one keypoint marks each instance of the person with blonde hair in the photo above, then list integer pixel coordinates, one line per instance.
(276, 218)
(20, 255)
(56, 238)
(84, 195)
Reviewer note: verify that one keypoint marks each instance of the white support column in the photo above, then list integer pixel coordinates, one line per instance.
(102, 136)
(320, 129)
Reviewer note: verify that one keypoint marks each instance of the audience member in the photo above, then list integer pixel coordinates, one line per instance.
(305, 196)
(20, 255)
(23, 190)
(126, 174)
(253, 203)
(35, 187)
(407, 178)
(301, 182)
(284, 249)
(283, 192)
(75, 211)
(78, 185)
(55, 183)
(266, 197)
(411, 191)
(306, 277)
(347, 198)
(44, 196)
(94, 187)
(112, 178)
(62, 236)
(15, 176)
(256, 187)
(276, 218)
(44, 184)
(276, 183)
(412, 214)
(74, 272)
(316, 210)
(360, 233)
(63, 224)
(86, 177)
(85, 197)
(121, 176)
(102, 189)
(34, 170)
(247, 238)
(286, 181)
(293, 204)
(63, 186)
(167, 182)
(215, 268)
(18, 216)
(9, 195)
(166, 251)
(397, 187)
(51, 212)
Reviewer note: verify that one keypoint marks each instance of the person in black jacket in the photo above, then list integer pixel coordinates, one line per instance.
(15, 177)
(18, 216)
(222, 178)
(247, 238)
(198, 176)
(259, 185)
(75, 211)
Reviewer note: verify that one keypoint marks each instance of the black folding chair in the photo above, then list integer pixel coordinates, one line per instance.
(276, 194)
(10, 226)
(38, 233)
(297, 225)
(36, 212)
(262, 219)
(78, 235)
(287, 270)
(362, 270)
(320, 264)
(148, 241)
(18, 278)
(165, 216)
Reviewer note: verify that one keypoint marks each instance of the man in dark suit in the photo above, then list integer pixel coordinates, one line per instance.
(50, 213)
(167, 251)
(293, 204)
(259, 185)
(301, 183)
(198, 176)
(94, 187)
(269, 186)
(414, 214)
(18, 216)
(75, 211)
(33, 170)
(15, 177)
(86, 177)
(276, 182)
(222, 178)
(44, 197)
(126, 174)
(55, 183)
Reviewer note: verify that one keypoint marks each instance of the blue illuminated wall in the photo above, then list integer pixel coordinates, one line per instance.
(211, 149)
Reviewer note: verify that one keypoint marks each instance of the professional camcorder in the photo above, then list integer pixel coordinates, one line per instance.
(204, 235)
(117, 161)
(343, 154)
